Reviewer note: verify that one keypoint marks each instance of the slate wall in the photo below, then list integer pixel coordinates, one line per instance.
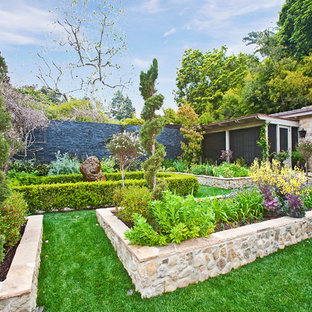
(88, 139)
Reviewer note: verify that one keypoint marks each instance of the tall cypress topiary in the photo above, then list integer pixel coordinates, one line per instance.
(153, 124)
(4, 149)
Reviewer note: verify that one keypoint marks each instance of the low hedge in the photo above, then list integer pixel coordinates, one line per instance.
(2, 241)
(93, 194)
(74, 178)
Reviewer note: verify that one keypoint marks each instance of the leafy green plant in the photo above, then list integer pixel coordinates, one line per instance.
(2, 242)
(180, 165)
(29, 166)
(108, 165)
(203, 169)
(175, 219)
(263, 143)
(12, 216)
(132, 200)
(64, 164)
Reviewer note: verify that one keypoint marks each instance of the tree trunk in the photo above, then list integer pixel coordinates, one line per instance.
(122, 175)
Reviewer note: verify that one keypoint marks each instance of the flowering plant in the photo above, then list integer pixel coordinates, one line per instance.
(281, 186)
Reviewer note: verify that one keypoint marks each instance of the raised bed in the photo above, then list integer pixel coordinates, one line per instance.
(155, 270)
(225, 183)
(18, 292)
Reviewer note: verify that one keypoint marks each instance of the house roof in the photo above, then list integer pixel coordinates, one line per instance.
(249, 120)
(295, 113)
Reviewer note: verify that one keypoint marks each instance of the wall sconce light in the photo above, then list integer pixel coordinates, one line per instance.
(302, 133)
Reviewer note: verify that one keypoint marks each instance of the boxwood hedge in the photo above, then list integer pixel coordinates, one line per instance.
(79, 195)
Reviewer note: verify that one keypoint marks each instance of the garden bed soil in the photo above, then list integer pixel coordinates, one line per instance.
(10, 253)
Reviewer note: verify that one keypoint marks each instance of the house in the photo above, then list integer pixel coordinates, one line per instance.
(241, 134)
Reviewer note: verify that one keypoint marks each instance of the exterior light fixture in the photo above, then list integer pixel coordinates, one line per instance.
(302, 133)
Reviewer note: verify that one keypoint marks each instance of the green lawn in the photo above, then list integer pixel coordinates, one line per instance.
(205, 190)
(80, 271)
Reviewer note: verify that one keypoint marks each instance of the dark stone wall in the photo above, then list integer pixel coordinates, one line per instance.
(88, 139)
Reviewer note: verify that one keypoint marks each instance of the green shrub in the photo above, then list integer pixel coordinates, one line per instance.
(108, 165)
(176, 218)
(180, 166)
(203, 169)
(12, 216)
(29, 166)
(95, 194)
(2, 242)
(64, 164)
(133, 200)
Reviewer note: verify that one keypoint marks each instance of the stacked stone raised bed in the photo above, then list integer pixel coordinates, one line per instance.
(155, 270)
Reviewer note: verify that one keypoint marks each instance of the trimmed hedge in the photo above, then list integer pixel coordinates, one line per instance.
(92, 194)
(74, 178)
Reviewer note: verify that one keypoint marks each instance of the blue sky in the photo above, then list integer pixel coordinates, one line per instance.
(154, 28)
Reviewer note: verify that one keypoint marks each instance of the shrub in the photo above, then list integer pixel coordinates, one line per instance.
(2, 242)
(203, 169)
(177, 219)
(95, 194)
(28, 166)
(64, 164)
(108, 165)
(132, 199)
(180, 166)
(12, 216)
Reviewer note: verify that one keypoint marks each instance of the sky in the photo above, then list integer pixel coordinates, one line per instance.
(161, 29)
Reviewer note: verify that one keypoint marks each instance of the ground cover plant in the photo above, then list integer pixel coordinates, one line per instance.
(80, 271)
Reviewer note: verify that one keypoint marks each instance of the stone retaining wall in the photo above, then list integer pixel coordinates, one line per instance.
(225, 183)
(155, 270)
(18, 292)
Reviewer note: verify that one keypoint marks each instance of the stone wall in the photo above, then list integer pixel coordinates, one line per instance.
(155, 270)
(18, 292)
(88, 139)
(225, 183)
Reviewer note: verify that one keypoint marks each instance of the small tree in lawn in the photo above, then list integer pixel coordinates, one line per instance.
(125, 148)
(191, 134)
(153, 124)
(304, 148)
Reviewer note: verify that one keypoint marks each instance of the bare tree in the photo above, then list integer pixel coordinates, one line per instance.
(26, 117)
(89, 32)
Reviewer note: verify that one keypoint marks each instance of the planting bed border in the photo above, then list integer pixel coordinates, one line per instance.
(155, 270)
(225, 183)
(18, 292)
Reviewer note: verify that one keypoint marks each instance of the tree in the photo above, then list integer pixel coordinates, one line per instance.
(170, 116)
(203, 78)
(3, 70)
(89, 33)
(192, 135)
(4, 149)
(121, 106)
(153, 124)
(295, 24)
(125, 148)
(26, 118)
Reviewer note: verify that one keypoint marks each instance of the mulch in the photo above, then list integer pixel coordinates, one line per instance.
(9, 255)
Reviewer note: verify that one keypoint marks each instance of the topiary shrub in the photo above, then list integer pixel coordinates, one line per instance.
(12, 216)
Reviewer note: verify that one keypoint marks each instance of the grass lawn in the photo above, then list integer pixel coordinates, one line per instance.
(205, 190)
(80, 271)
